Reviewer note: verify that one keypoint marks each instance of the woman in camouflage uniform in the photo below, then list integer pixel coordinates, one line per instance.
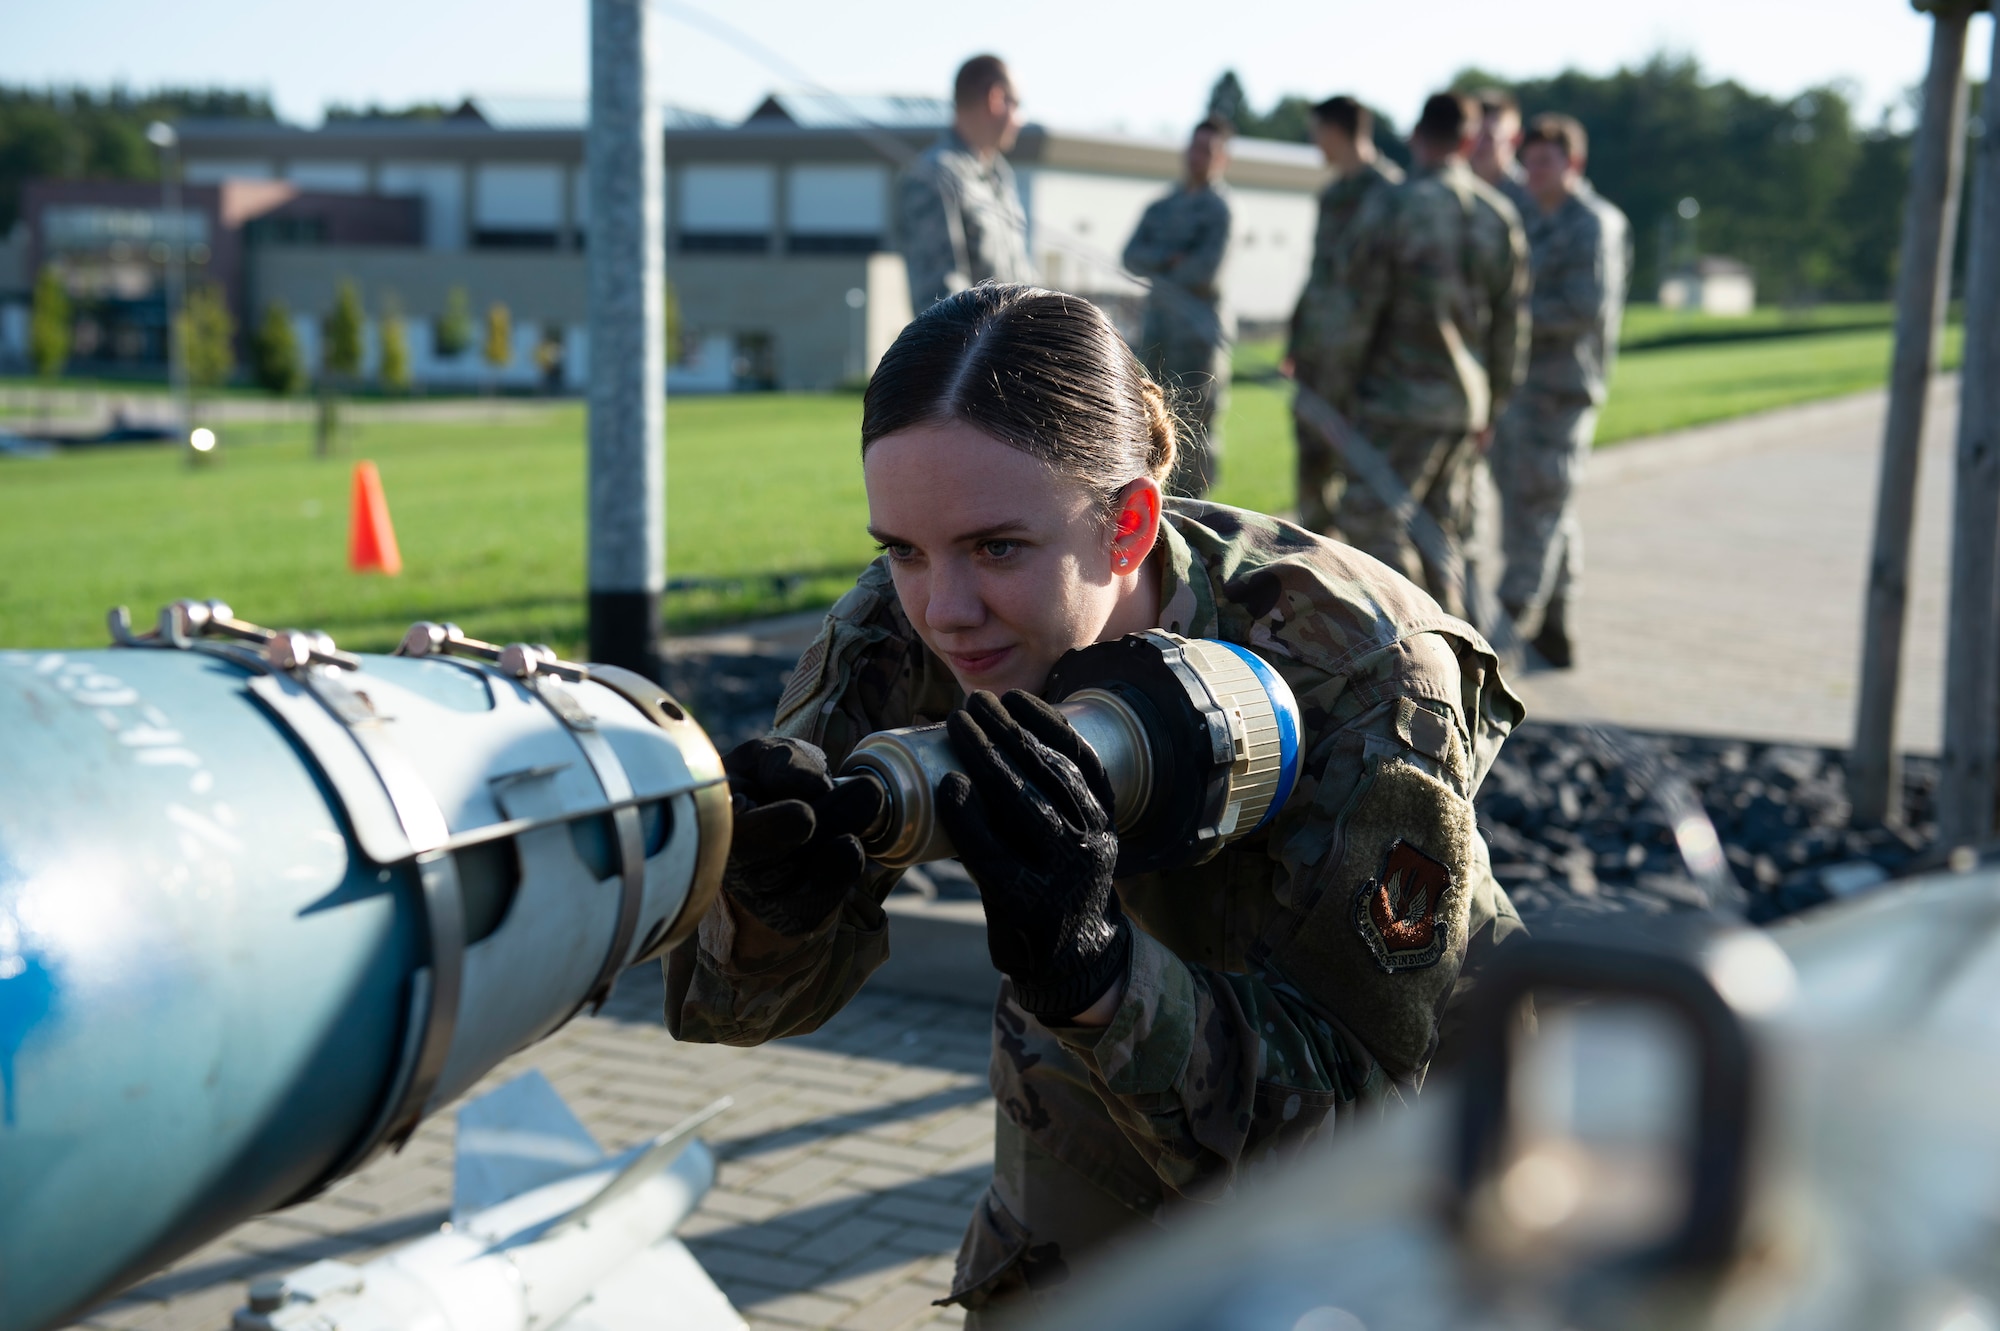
(1153, 1035)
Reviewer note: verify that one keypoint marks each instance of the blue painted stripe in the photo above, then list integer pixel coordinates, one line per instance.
(1290, 757)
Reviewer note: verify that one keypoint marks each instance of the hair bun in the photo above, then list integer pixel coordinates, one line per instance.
(1161, 429)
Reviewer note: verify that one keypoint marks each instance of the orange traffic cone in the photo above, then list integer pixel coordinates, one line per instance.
(371, 537)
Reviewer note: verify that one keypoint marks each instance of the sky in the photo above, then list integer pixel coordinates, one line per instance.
(1142, 69)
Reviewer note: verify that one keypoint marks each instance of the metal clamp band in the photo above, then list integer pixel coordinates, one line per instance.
(611, 775)
(395, 818)
(538, 669)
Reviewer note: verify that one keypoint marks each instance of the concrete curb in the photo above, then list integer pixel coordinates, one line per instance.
(937, 949)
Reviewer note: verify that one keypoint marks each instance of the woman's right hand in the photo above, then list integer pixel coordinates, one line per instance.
(795, 852)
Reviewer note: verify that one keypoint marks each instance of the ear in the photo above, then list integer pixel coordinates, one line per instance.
(1135, 526)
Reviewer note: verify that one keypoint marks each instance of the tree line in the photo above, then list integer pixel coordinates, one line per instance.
(79, 134)
(1797, 187)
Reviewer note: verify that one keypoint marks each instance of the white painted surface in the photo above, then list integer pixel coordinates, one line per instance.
(517, 197)
(838, 201)
(441, 185)
(1080, 223)
(739, 199)
(1270, 251)
(709, 368)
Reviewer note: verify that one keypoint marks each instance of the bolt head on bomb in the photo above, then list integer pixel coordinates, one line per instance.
(422, 639)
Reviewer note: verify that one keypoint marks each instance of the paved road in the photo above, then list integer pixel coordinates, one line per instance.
(848, 1166)
(1726, 567)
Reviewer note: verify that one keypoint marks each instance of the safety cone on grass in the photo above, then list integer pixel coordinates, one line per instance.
(371, 537)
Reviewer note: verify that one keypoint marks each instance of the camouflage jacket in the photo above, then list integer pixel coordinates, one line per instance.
(1581, 254)
(1514, 184)
(1436, 273)
(1299, 972)
(1180, 246)
(960, 222)
(1320, 303)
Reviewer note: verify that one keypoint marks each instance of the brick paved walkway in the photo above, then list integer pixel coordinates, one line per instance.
(848, 1166)
(1725, 568)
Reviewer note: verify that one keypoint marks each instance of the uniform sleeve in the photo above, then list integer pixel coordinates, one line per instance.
(1508, 330)
(1315, 275)
(924, 200)
(1146, 254)
(739, 982)
(1569, 295)
(1364, 268)
(1197, 268)
(1204, 1071)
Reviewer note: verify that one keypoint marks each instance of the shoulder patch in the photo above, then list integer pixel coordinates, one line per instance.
(1397, 910)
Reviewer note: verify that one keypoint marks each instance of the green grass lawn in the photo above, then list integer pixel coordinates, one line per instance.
(489, 518)
(765, 506)
(1648, 325)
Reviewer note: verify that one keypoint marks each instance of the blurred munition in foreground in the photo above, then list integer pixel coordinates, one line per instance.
(264, 905)
(546, 1232)
(1730, 1129)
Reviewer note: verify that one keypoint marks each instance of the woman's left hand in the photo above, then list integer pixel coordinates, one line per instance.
(1031, 819)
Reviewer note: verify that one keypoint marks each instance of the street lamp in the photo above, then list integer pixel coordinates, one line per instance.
(162, 136)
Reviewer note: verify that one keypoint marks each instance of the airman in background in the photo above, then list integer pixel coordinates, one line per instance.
(1181, 244)
(958, 211)
(1345, 132)
(1433, 340)
(1580, 247)
(1494, 157)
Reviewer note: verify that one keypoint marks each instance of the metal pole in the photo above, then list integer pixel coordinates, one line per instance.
(1923, 286)
(627, 265)
(1966, 789)
(164, 137)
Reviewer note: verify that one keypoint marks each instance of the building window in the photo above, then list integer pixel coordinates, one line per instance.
(491, 239)
(727, 209)
(517, 207)
(329, 177)
(836, 209)
(441, 185)
(855, 244)
(724, 242)
(285, 231)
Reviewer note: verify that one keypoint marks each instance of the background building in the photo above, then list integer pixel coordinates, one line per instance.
(1710, 285)
(779, 231)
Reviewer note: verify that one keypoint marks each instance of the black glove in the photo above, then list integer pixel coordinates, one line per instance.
(1031, 819)
(796, 852)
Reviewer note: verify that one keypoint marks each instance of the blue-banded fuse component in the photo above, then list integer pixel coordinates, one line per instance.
(1199, 738)
(264, 905)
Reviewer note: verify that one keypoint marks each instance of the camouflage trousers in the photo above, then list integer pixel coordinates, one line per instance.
(1538, 457)
(1437, 466)
(1196, 377)
(1039, 1224)
(1321, 480)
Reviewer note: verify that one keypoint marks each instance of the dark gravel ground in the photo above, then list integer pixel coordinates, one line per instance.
(1574, 830)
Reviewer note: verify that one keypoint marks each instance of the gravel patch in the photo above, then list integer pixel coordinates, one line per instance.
(1572, 832)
